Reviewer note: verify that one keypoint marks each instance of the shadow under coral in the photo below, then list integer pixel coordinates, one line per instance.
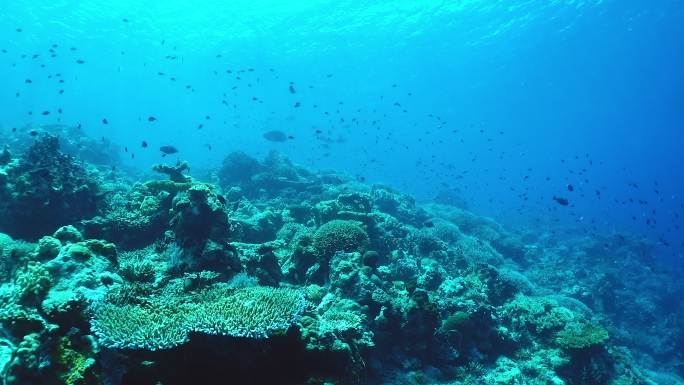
(210, 359)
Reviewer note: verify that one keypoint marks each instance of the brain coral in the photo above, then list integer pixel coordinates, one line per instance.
(339, 235)
(252, 312)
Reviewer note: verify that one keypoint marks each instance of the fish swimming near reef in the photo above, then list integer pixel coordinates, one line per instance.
(561, 201)
(275, 136)
(168, 150)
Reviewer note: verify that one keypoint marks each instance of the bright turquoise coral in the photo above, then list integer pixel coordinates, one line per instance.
(252, 312)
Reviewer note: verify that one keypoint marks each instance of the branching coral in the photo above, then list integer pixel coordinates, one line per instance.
(252, 312)
(139, 327)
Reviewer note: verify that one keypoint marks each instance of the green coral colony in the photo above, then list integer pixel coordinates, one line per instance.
(275, 274)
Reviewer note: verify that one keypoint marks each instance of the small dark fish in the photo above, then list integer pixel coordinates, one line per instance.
(105, 121)
(275, 136)
(168, 150)
(144, 144)
(33, 132)
(28, 81)
(151, 119)
(561, 201)
(124, 20)
(429, 224)
(292, 89)
(297, 104)
(80, 61)
(221, 199)
(46, 112)
(126, 149)
(14, 129)
(290, 137)
(571, 187)
(319, 131)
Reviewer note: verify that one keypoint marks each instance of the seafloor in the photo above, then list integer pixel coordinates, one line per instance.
(263, 272)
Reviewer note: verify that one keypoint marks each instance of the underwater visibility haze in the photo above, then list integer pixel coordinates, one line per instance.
(350, 192)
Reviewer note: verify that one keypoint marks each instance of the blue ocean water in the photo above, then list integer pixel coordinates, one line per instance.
(486, 98)
(557, 116)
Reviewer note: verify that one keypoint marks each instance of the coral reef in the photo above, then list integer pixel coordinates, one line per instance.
(45, 189)
(73, 141)
(284, 275)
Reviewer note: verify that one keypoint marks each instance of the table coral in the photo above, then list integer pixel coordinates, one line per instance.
(252, 312)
